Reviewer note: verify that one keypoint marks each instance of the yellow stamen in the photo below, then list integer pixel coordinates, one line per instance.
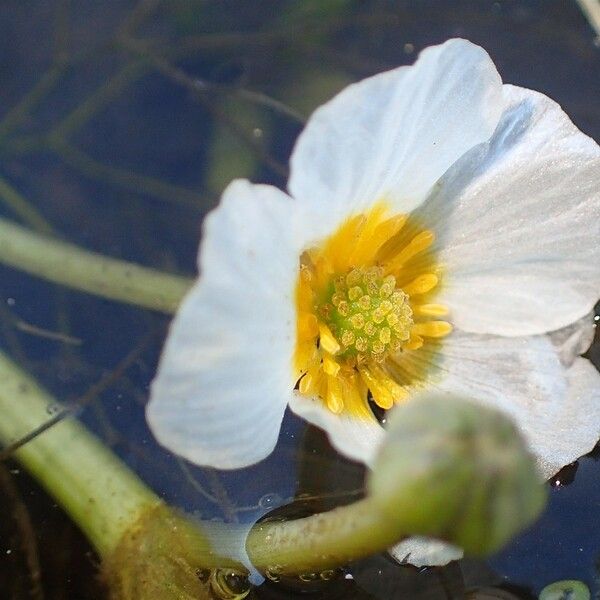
(327, 339)
(307, 354)
(387, 230)
(381, 395)
(323, 270)
(308, 325)
(355, 395)
(432, 329)
(365, 249)
(415, 341)
(330, 365)
(420, 242)
(335, 400)
(397, 392)
(337, 247)
(430, 310)
(421, 284)
(310, 383)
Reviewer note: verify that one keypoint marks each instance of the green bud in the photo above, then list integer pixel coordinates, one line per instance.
(569, 589)
(457, 471)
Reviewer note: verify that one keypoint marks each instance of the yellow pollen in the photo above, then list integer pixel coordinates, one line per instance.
(392, 319)
(364, 302)
(348, 338)
(361, 344)
(385, 335)
(364, 306)
(355, 293)
(349, 316)
(357, 320)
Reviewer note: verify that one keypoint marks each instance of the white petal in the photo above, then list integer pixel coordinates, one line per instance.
(425, 552)
(557, 410)
(229, 540)
(393, 135)
(355, 438)
(518, 223)
(225, 375)
(577, 427)
(572, 341)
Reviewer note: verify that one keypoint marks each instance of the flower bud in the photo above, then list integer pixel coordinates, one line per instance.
(457, 471)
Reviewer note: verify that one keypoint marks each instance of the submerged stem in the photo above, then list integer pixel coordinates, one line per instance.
(67, 264)
(116, 510)
(100, 494)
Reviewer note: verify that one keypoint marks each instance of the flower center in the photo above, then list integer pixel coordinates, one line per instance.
(366, 325)
(367, 314)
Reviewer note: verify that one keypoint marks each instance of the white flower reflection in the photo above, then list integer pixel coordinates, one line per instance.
(441, 230)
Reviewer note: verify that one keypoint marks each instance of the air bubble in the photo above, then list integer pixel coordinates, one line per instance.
(270, 501)
(327, 575)
(273, 573)
(226, 584)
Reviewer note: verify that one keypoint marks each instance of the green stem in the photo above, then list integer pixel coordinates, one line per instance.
(90, 272)
(21, 207)
(107, 500)
(99, 99)
(16, 115)
(129, 180)
(322, 541)
(101, 495)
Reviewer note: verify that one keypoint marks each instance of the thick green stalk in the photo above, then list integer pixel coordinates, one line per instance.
(101, 495)
(87, 271)
(111, 504)
(107, 500)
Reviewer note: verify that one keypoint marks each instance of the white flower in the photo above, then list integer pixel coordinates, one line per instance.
(438, 226)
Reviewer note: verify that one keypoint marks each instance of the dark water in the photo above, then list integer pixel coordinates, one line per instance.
(148, 152)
